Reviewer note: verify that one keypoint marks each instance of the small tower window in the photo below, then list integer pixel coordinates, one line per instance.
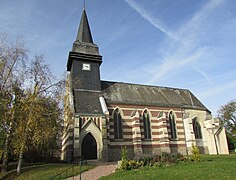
(118, 125)
(172, 123)
(197, 129)
(146, 125)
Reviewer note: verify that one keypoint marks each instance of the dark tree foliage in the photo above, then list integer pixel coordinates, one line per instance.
(227, 117)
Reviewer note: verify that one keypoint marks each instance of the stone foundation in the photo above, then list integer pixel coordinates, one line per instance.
(115, 153)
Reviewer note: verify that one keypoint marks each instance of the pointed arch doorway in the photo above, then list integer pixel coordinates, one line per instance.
(89, 147)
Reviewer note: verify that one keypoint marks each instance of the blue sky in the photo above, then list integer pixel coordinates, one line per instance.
(186, 44)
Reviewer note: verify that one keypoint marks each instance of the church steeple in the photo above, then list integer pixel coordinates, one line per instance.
(84, 33)
(84, 41)
(84, 60)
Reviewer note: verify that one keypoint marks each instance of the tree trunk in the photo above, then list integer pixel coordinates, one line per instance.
(5, 158)
(6, 152)
(18, 170)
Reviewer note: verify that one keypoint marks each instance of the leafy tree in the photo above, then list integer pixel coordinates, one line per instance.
(12, 67)
(30, 103)
(227, 117)
(40, 109)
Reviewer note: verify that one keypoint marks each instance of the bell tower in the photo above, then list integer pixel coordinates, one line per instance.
(84, 60)
(84, 90)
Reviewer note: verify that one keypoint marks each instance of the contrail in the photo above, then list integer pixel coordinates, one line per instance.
(218, 90)
(154, 21)
(188, 48)
(205, 75)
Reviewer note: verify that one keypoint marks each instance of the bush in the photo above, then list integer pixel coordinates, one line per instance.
(123, 164)
(146, 161)
(124, 154)
(132, 164)
(195, 153)
(164, 159)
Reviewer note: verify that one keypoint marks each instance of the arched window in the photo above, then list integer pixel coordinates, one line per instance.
(173, 133)
(118, 125)
(197, 129)
(146, 125)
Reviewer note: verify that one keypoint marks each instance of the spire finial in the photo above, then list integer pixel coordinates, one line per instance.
(84, 4)
(84, 33)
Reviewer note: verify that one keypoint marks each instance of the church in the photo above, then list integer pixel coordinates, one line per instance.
(101, 117)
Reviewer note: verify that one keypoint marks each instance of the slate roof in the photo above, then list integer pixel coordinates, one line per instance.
(87, 102)
(84, 33)
(135, 94)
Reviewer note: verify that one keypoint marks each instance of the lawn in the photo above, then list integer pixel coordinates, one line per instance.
(210, 167)
(47, 171)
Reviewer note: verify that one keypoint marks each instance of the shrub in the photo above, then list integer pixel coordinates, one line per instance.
(132, 164)
(195, 153)
(123, 163)
(126, 164)
(164, 159)
(124, 154)
(168, 159)
(146, 161)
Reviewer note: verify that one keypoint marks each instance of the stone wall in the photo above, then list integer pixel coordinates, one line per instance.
(109, 149)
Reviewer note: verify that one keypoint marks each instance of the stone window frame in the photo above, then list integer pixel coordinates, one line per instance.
(118, 124)
(172, 125)
(197, 129)
(147, 125)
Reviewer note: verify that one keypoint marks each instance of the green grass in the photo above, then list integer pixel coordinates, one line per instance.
(12, 168)
(210, 167)
(46, 171)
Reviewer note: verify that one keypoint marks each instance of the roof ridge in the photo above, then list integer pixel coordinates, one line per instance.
(165, 87)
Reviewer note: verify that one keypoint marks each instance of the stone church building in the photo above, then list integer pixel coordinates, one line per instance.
(101, 117)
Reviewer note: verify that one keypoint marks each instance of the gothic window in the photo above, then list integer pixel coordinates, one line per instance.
(197, 129)
(118, 125)
(146, 125)
(173, 133)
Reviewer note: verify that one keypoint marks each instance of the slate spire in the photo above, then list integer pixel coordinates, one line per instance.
(84, 41)
(84, 33)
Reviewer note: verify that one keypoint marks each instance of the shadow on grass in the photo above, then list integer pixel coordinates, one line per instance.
(11, 174)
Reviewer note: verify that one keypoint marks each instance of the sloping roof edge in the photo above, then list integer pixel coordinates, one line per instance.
(149, 95)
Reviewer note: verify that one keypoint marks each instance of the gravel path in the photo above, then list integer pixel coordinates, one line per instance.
(103, 169)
